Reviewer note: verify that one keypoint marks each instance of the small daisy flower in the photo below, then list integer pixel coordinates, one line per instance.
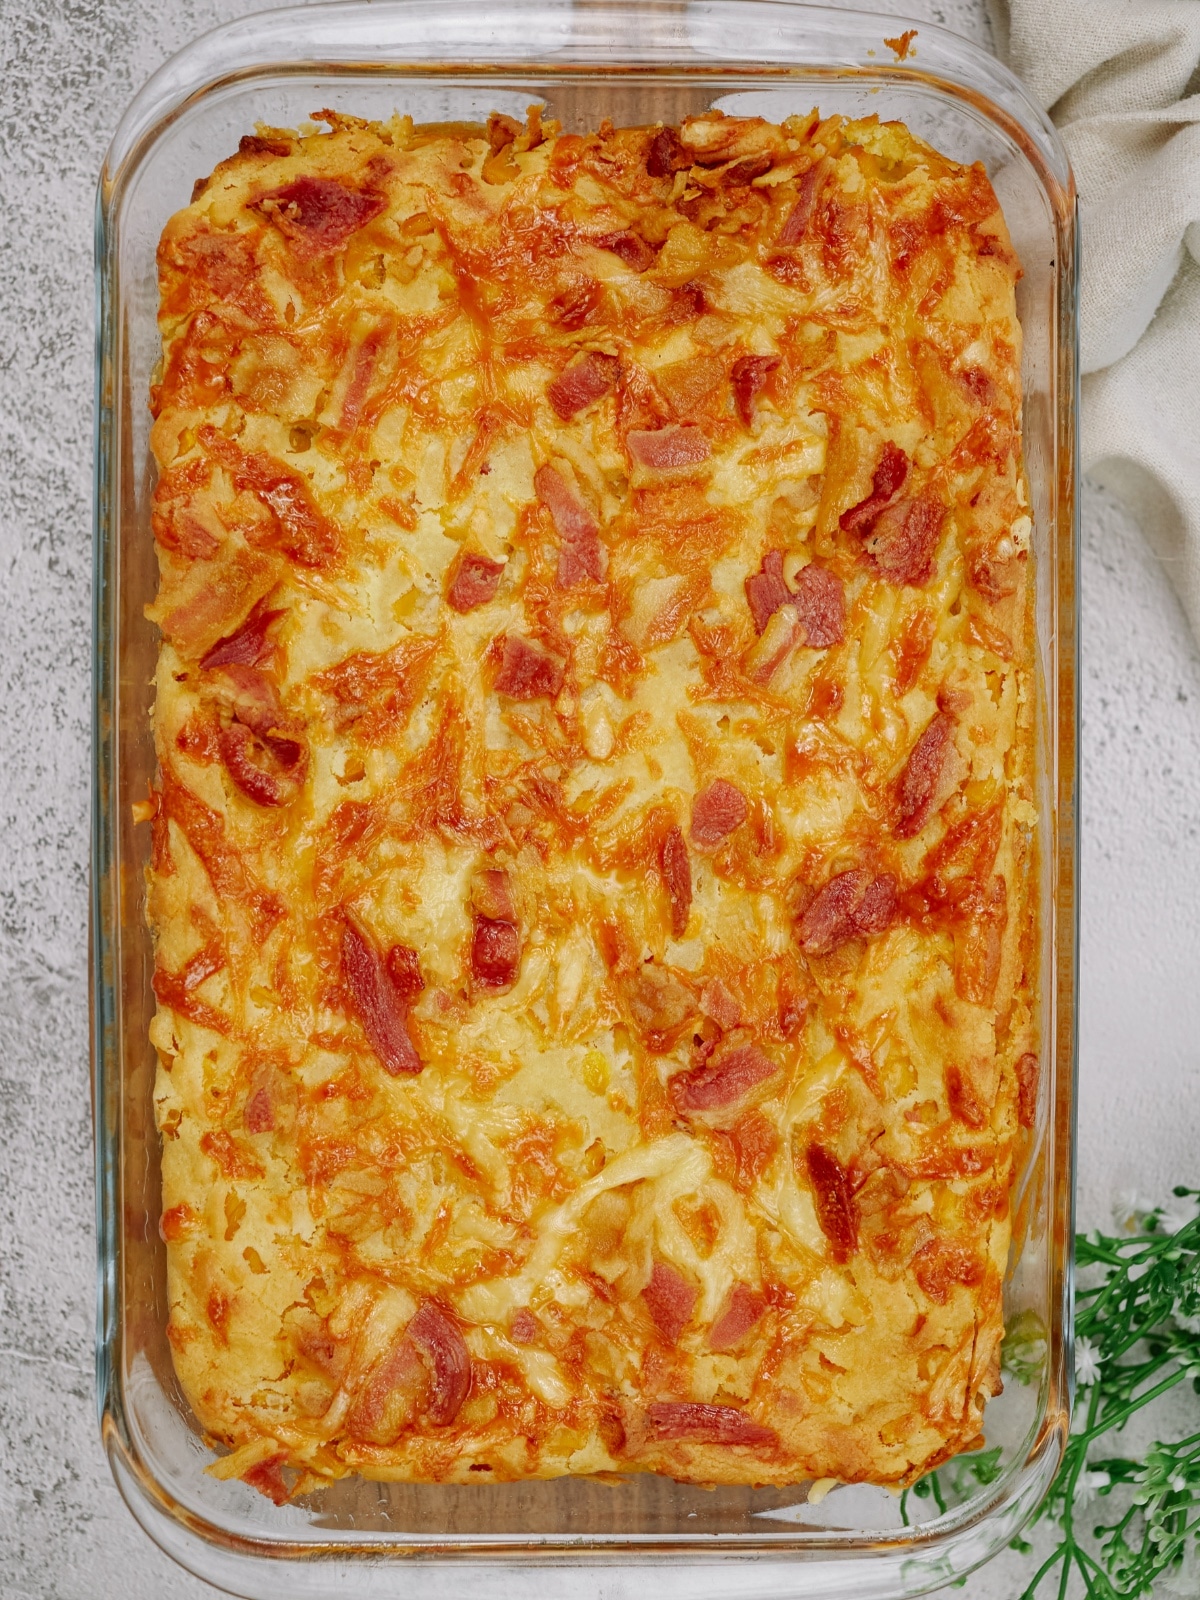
(1088, 1486)
(1087, 1361)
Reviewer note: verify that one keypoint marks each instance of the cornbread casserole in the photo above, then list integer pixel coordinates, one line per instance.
(593, 875)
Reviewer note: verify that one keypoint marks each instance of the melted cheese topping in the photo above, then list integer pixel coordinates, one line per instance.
(593, 872)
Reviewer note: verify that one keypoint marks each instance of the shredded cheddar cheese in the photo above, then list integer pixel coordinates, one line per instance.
(593, 850)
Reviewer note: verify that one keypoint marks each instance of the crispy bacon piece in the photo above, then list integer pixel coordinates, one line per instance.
(766, 591)
(1028, 1072)
(716, 812)
(666, 449)
(889, 479)
(689, 1419)
(404, 969)
(577, 303)
(381, 1010)
(582, 383)
(495, 953)
(747, 375)
(528, 673)
(319, 214)
(254, 700)
(820, 602)
(717, 1002)
(921, 779)
(245, 646)
(631, 247)
(798, 218)
(938, 1266)
(300, 528)
(267, 1476)
(833, 1200)
(666, 153)
(582, 555)
(524, 1327)
(904, 538)
(724, 1081)
(853, 904)
(475, 582)
(258, 1114)
(670, 1300)
(677, 876)
(275, 783)
(439, 1339)
(743, 1311)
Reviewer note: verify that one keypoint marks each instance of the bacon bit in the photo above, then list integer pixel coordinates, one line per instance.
(234, 1160)
(820, 602)
(582, 383)
(801, 214)
(889, 479)
(630, 247)
(582, 555)
(1028, 1072)
(833, 1200)
(744, 172)
(474, 583)
(439, 1339)
(717, 1002)
(963, 1098)
(753, 1144)
(216, 595)
(677, 876)
(491, 895)
(766, 590)
(278, 787)
(689, 1419)
(245, 646)
(176, 1222)
(853, 904)
(937, 1266)
(528, 673)
(666, 154)
(320, 214)
(404, 969)
(670, 1300)
(267, 1476)
(258, 1115)
(748, 375)
(669, 448)
(301, 529)
(495, 953)
(380, 1008)
(255, 702)
(524, 1327)
(923, 774)
(904, 538)
(979, 942)
(743, 1311)
(577, 304)
(723, 1082)
(716, 812)
(255, 144)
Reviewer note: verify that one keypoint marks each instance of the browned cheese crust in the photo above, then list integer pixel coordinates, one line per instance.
(592, 876)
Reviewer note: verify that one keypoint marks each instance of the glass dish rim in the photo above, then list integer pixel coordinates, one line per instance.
(226, 55)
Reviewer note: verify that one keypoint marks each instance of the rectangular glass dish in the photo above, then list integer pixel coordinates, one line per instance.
(636, 65)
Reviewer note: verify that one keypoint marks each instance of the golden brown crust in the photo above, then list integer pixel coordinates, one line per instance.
(592, 853)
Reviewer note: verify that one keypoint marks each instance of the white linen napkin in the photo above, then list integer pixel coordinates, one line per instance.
(1120, 79)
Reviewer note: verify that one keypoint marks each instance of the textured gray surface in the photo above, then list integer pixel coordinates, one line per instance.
(67, 68)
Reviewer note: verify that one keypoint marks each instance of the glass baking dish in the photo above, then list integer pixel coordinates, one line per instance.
(636, 63)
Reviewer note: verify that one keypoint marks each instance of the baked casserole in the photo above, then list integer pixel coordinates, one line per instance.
(594, 872)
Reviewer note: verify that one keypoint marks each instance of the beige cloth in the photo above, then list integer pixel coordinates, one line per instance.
(1120, 79)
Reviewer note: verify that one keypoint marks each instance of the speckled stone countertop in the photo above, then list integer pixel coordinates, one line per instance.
(67, 69)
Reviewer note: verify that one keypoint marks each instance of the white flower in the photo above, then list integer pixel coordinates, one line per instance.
(1088, 1485)
(1087, 1361)
(1128, 1206)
